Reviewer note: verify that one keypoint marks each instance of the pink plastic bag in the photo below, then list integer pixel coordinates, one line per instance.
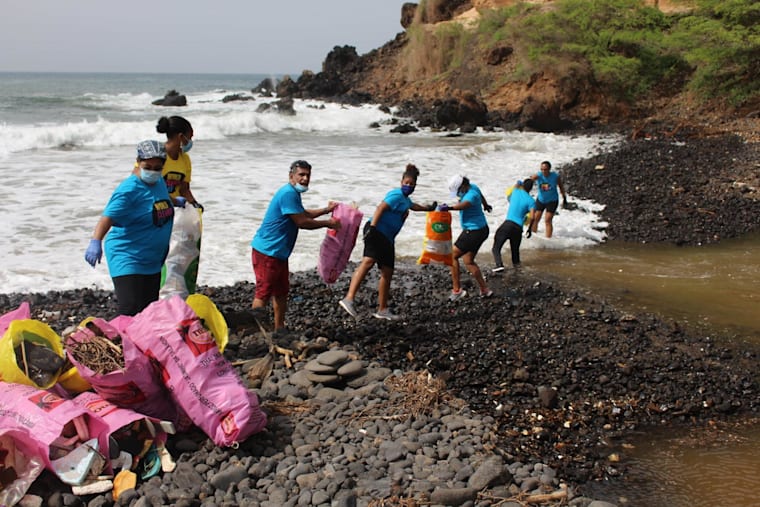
(137, 385)
(115, 417)
(48, 419)
(200, 379)
(20, 313)
(120, 423)
(19, 452)
(337, 246)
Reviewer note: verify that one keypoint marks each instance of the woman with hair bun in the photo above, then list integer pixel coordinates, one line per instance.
(379, 248)
(178, 167)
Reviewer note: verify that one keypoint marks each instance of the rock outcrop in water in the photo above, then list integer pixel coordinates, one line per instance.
(172, 98)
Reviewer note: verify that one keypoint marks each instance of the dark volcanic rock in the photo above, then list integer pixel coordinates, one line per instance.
(543, 117)
(172, 98)
(265, 88)
(237, 97)
(563, 374)
(558, 370)
(286, 88)
(460, 111)
(683, 189)
(408, 11)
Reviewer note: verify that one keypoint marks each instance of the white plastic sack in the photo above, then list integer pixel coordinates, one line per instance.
(180, 270)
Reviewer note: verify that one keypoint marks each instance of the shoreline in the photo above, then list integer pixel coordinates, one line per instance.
(559, 371)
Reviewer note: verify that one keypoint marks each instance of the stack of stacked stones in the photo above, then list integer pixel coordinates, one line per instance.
(334, 367)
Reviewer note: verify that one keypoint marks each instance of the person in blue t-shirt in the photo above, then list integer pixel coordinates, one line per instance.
(274, 240)
(548, 198)
(520, 205)
(379, 239)
(138, 223)
(471, 205)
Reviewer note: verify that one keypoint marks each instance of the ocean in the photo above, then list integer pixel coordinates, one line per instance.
(67, 140)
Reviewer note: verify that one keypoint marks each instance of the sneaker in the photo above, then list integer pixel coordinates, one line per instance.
(486, 294)
(497, 269)
(386, 314)
(454, 296)
(348, 305)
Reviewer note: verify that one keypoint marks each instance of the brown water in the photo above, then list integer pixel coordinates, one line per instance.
(714, 286)
(714, 290)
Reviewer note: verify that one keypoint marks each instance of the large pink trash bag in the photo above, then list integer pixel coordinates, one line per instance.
(117, 418)
(337, 246)
(50, 421)
(136, 386)
(20, 313)
(20, 453)
(200, 379)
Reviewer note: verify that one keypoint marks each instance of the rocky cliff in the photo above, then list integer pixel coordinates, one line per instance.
(451, 81)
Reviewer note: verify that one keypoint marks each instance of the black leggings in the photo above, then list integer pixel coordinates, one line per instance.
(507, 231)
(135, 292)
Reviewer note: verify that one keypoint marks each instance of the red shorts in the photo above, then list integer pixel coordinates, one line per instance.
(271, 276)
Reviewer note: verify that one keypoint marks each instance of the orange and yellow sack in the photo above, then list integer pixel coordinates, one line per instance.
(436, 248)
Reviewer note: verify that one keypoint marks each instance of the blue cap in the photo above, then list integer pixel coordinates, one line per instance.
(150, 149)
(519, 183)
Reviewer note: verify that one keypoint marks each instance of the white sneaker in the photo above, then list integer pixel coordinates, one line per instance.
(348, 305)
(497, 269)
(487, 294)
(455, 296)
(386, 314)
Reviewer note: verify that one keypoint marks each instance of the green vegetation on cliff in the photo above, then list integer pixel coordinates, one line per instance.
(622, 47)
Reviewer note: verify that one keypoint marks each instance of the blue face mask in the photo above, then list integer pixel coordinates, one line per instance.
(150, 177)
(407, 190)
(187, 146)
(300, 188)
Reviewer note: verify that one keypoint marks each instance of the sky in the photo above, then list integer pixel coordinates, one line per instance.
(194, 36)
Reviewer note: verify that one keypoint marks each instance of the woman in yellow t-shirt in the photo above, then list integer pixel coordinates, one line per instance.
(178, 168)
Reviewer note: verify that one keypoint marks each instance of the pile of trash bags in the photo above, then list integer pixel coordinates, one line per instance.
(96, 405)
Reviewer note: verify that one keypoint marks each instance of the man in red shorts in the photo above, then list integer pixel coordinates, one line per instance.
(274, 241)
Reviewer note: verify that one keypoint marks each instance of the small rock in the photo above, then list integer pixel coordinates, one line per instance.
(351, 368)
(451, 496)
(315, 366)
(322, 379)
(335, 357)
(230, 475)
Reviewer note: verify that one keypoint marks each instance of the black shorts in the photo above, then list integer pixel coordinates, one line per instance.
(551, 207)
(380, 248)
(470, 240)
(135, 292)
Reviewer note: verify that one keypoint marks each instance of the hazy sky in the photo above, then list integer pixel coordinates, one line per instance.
(222, 36)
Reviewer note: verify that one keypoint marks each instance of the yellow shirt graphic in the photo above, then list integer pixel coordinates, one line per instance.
(177, 171)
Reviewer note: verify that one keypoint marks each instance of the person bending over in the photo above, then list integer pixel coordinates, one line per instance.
(379, 243)
(471, 205)
(521, 204)
(274, 240)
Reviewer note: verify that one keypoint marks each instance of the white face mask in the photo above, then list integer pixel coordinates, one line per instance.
(150, 177)
(300, 188)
